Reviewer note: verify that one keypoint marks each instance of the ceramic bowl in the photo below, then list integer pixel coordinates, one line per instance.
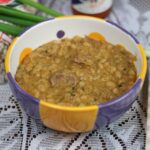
(74, 119)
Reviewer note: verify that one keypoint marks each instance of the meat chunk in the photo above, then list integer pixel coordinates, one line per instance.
(63, 78)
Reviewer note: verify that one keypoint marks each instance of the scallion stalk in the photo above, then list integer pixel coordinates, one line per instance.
(41, 7)
(17, 21)
(10, 29)
(20, 14)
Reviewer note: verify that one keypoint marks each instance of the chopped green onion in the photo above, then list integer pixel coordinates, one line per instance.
(10, 29)
(17, 21)
(41, 7)
(20, 14)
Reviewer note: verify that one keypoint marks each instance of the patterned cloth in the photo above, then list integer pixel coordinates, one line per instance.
(4, 43)
(19, 131)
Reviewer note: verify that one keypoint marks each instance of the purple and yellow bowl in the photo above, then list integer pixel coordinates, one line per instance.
(74, 119)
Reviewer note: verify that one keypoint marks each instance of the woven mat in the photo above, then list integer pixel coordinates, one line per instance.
(20, 132)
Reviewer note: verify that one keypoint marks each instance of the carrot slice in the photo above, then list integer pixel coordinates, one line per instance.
(96, 36)
(24, 53)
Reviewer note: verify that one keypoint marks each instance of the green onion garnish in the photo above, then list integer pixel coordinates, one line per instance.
(41, 7)
(17, 21)
(19, 14)
(10, 29)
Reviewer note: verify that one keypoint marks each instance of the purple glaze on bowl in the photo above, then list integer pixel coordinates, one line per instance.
(114, 109)
(28, 102)
(124, 30)
(60, 34)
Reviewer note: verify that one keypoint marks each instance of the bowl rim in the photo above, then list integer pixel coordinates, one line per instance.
(139, 80)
